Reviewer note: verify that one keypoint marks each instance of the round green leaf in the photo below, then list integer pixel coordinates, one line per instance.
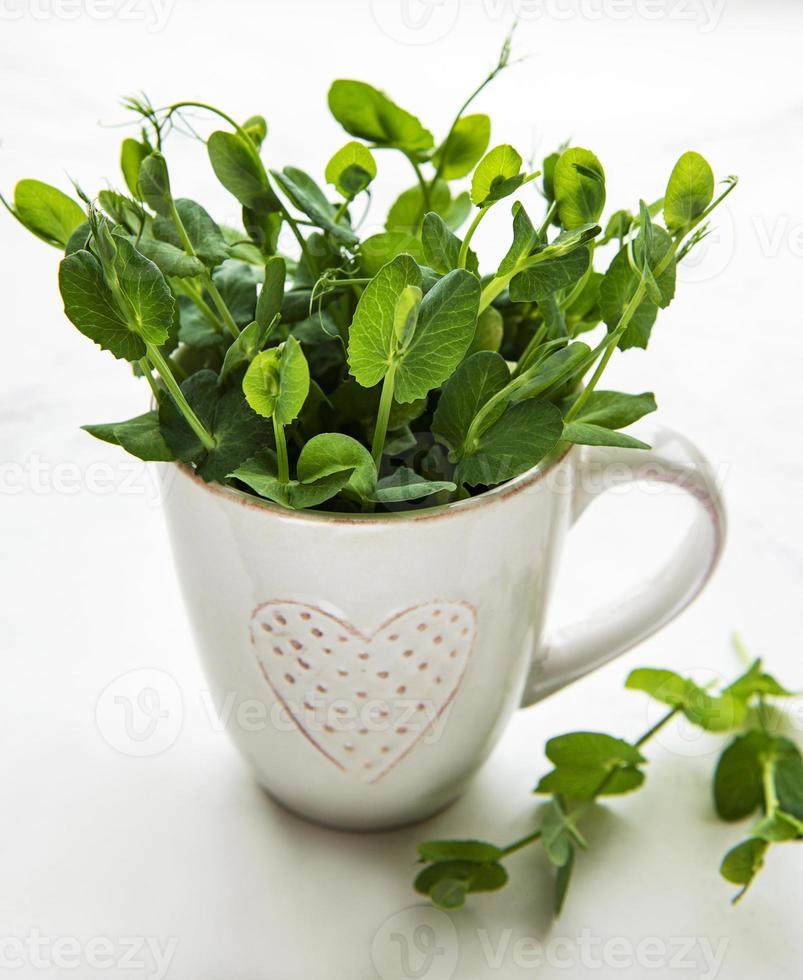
(579, 183)
(351, 169)
(47, 212)
(496, 175)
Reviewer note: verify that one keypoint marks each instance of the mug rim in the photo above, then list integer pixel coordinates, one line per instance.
(496, 494)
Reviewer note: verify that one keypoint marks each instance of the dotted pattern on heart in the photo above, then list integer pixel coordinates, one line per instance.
(363, 701)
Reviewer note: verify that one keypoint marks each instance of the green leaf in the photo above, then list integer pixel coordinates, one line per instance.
(203, 232)
(150, 302)
(615, 409)
(171, 260)
(237, 282)
(579, 184)
(378, 250)
(369, 114)
(460, 850)
(47, 212)
(240, 173)
(756, 681)
(525, 238)
(591, 782)
(555, 370)
(408, 210)
(257, 129)
(245, 348)
(261, 475)
(448, 893)
(789, 777)
(550, 275)
(476, 381)
(489, 332)
(497, 175)
(689, 192)
(271, 296)
(590, 749)
(238, 432)
(464, 147)
(525, 434)
(476, 876)
(310, 199)
(586, 434)
(277, 382)
(738, 789)
(90, 306)
(334, 452)
(554, 837)
(405, 484)
(442, 246)
(621, 282)
(562, 880)
(446, 322)
(351, 169)
(372, 338)
(458, 210)
(132, 153)
(742, 863)
(93, 309)
(154, 184)
(140, 436)
(715, 714)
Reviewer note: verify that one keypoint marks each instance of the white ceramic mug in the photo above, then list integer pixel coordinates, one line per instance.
(387, 652)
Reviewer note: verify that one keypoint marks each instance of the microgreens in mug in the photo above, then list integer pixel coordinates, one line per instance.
(378, 373)
(759, 772)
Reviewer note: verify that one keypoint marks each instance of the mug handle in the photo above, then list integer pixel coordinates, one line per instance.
(576, 650)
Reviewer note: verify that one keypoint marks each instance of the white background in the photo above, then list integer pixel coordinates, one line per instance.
(181, 847)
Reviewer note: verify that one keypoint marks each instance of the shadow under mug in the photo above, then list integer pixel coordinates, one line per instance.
(369, 664)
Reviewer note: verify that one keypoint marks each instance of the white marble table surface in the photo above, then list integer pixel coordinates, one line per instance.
(177, 857)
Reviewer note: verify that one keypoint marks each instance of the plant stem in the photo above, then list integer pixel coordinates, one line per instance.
(550, 214)
(220, 305)
(463, 255)
(145, 367)
(211, 288)
(383, 415)
(627, 316)
(522, 842)
(768, 783)
(163, 370)
(195, 295)
(281, 451)
(425, 195)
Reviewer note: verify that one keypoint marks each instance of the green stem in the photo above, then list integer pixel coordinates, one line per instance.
(145, 367)
(188, 288)
(211, 288)
(463, 255)
(550, 214)
(425, 195)
(529, 350)
(281, 451)
(220, 305)
(383, 415)
(522, 842)
(163, 370)
(627, 316)
(639, 743)
(768, 782)
(580, 285)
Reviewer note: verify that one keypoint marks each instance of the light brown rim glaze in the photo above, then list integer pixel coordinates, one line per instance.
(498, 494)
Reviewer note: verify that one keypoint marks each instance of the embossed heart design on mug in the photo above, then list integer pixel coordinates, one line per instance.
(364, 701)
